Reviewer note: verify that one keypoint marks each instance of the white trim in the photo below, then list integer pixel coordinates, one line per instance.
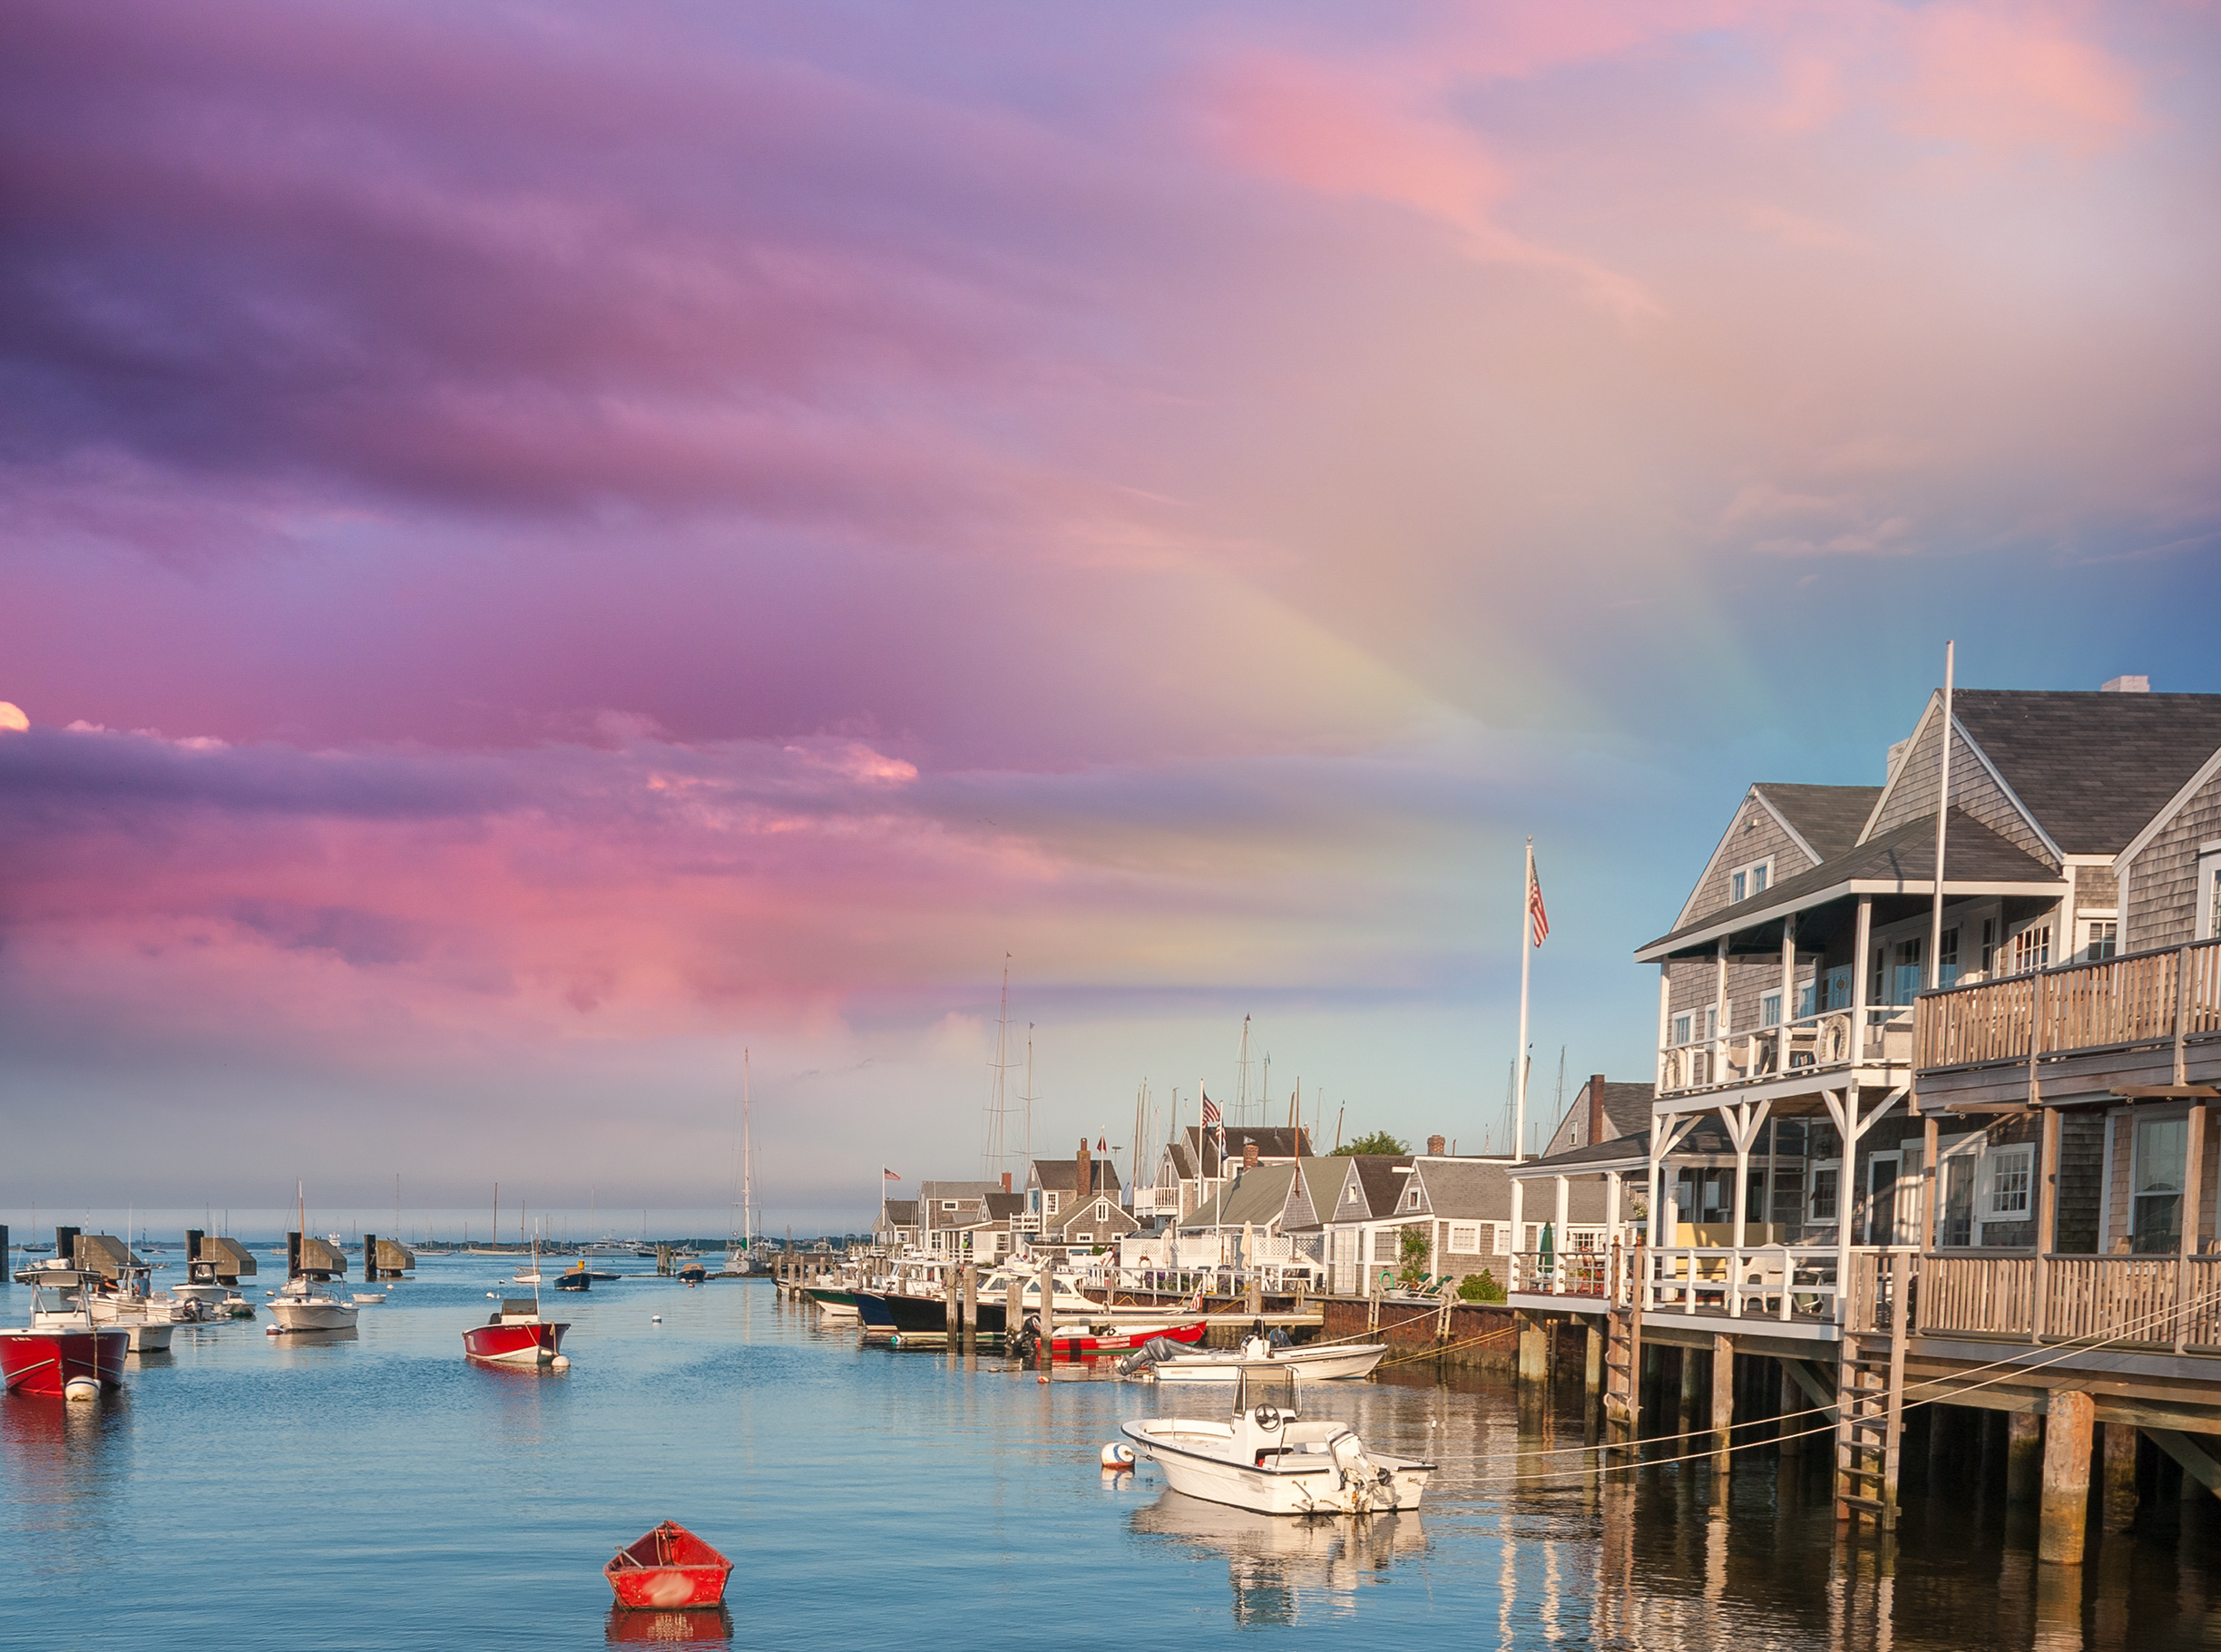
(1935, 702)
(2174, 807)
(1985, 1183)
(2202, 896)
(1666, 945)
(1811, 1187)
(1718, 849)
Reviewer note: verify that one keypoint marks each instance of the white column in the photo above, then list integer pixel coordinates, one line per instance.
(1665, 1016)
(1519, 1229)
(1862, 945)
(1719, 1015)
(1565, 1200)
(1611, 1208)
(1788, 992)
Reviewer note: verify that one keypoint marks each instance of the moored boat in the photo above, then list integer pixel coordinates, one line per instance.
(308, 1304)
(517, 1335)
(1268, 1459)
(59, 1347)
(667, 1570)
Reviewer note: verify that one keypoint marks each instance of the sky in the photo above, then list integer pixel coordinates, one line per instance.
(542, 548)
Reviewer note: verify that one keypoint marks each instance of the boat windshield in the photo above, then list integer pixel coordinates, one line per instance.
(1275, 1388)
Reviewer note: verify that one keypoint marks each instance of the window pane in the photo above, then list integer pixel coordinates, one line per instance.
(2159, 1154)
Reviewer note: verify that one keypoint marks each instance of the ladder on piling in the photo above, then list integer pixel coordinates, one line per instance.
(1623, 1344)
(1870, 1392)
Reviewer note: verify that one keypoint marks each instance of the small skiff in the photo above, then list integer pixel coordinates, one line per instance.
(669, 1569)
(1338, 1362)
(1269, 1459)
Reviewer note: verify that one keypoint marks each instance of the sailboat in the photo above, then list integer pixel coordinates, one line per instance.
(740, 1253)
(307, 1301)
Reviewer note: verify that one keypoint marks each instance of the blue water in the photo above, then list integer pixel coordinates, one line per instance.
(248, 1491)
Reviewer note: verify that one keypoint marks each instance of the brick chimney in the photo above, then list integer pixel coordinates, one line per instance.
(1006, 1187)
(1250, 1155)
(1435, 1145)
(1596, 1110)
(1083, 1171)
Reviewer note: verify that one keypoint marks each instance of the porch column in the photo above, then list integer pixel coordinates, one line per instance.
(1862, 944)
(1664, 1012)
(2047, 1222)
(1657, 1200)
(1565, 1205)
(1930, 1184)
(1719, 1013)
(2194, 1168)
(1611, 1208)
(1518, 1230)
(1788, 992)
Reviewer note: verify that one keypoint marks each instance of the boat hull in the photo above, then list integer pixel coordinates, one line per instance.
(40, 1362)
(526, 1345)
(1192, 1456)
(312, 1315)
(670, 1570)
(1119, 1339)
(1324, 1365)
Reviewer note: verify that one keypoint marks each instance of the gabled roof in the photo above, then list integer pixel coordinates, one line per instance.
(901, 1213)
(1977, 860)
(1063, 1174)
(1377, 1174)
(1258, 1195)
(1707, 1139)
(1827, 817)
(1322, 1184)
(1467, 1189)
(2092, 767)
(974, 1191)
(1001, 1206)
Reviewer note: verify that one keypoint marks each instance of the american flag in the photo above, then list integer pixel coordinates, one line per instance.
(1211, 1112)
(1537, 918)
(890, 1176)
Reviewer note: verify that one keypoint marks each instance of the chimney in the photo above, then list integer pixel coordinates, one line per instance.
(1435, 1145)
(1249, 1154)
(1596, 1108)
(1083, 1171)
(2125, 685)
(1006, 1187)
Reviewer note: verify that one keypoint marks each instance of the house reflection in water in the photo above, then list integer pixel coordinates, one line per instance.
(1280, 1568)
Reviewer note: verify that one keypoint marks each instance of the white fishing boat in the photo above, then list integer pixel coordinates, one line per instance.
(303, 1304)
(1268, 1459)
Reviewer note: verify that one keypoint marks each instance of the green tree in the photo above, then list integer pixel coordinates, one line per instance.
(1379, 1142)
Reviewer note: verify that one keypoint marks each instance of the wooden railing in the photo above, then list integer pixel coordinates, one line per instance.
(2138, 1301)
(2141, 998)
(1780, 1282)
(1827, 1041)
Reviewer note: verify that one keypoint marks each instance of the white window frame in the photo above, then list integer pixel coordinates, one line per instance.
(2015, 942)
(1751, 879)
(950, 1204)
(1411, 1198)
(1999, 1162)
(1770, 1008)
(1465, 1238)
(2208, 911)
(2092, 923)
(1812, 1193)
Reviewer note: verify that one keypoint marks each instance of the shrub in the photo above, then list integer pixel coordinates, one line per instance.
(1480, 1287)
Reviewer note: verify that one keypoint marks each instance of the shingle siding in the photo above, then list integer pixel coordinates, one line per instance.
(1913, 797)
(1741, 846)
(2162, 878)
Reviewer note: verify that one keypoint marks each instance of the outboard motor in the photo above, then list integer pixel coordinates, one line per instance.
(1028, 1338)
(1154, 1352)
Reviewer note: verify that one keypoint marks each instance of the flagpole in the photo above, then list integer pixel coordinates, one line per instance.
(1518, 1093)
(1935, 918)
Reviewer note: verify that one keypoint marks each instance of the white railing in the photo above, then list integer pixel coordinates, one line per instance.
(1882, 1034)
(1782, 1282)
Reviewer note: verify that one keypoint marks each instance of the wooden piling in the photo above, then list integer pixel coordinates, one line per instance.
(970, 1317)
(1013, 1311)
(369, 1257)
(1685, 1411)
(1047, 1355)
(2066, 1477)
(2024, 1456)
(1592, 1368)
(1723, 1404)
(2120, 1477)
(1793, 1426)
(1534, 1360)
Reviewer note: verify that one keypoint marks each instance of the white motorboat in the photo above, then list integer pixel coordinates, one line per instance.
(1268, 1459)
(1332, 1362)
(311, 1305)
(149, 1317)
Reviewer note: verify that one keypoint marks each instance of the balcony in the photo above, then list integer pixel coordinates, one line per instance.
(1826, 1044)
(2146, 1021)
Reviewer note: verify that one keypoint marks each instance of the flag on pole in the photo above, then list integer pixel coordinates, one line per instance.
(1537, 919)
(1213, 1122)
(886, 1175)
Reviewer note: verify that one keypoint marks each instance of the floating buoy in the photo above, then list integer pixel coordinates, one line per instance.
(81, 1388)
(1117, 1456)
(562, 1361)
(656, 1320)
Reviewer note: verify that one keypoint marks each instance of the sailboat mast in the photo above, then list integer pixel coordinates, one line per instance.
(748, 1166)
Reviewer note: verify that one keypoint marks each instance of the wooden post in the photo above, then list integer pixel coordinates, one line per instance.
(1593, 1369)
(1533, 1359)
(2066, 1477)
(2119, 1492)
(1931, 1184)
(1048, 1313)
(1723, 1409)
(968, 1312)
(2193, 1196)
(2024, 1456)
(1013, 1311)
(1792, 1401)
(369, 1256)
(2047, 1218)
(1684, 1416)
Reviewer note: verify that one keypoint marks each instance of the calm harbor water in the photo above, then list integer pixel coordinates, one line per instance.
(249, 1491)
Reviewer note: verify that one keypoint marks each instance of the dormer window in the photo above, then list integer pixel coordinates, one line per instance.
(1410, 1199)
(1746, 881)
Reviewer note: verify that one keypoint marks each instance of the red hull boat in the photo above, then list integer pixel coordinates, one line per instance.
(1120, 1339)
(511, 1338)
(667, 1570)
(39, 1362)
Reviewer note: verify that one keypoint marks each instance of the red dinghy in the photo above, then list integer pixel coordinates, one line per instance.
(668, 1568)
(517, 1335)
(1119, 1339)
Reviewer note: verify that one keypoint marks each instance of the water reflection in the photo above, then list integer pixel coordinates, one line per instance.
(1281, 1567)
(702, 1625)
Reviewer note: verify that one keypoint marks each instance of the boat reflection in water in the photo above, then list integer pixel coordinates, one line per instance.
(702, 1626)
(1280, 1567)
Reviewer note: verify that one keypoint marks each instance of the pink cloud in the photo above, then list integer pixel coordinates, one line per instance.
(2016, 78)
